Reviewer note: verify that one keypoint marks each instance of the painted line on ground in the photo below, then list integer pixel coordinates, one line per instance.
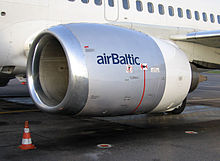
(19, 111)
(202, 100)
(210, 86)
(210, 90)
(12, 96)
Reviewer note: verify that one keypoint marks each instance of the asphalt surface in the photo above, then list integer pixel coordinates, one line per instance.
(193, 135)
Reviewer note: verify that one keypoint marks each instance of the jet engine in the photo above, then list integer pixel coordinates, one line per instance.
(104, 70)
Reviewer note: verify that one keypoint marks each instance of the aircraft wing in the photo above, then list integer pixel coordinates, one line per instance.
(207, 38)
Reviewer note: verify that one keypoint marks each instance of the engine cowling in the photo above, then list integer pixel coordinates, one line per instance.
(103, 70)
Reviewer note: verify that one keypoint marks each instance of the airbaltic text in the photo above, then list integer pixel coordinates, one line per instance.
(118, 59)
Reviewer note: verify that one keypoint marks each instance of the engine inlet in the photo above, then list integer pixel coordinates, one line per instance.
(56, 71)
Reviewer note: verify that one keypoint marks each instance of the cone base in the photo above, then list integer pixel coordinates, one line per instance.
(27, 147)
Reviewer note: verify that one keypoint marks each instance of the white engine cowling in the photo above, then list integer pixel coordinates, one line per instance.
(103, 70)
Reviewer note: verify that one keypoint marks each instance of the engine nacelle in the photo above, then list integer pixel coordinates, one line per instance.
(103, 70)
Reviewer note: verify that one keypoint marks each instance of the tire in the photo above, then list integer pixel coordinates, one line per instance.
(180, 109)
(4, 82)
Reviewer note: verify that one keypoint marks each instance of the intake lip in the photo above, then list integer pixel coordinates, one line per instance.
(53, 50)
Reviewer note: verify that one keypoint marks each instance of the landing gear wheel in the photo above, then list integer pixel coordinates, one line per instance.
(180, 109)
(4, 82)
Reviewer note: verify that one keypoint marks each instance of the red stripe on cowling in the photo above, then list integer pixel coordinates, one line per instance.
(142, 97)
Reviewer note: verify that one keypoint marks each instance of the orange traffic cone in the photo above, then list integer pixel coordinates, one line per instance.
(26, 140)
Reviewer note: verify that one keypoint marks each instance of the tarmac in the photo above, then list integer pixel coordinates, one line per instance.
(193, 135)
